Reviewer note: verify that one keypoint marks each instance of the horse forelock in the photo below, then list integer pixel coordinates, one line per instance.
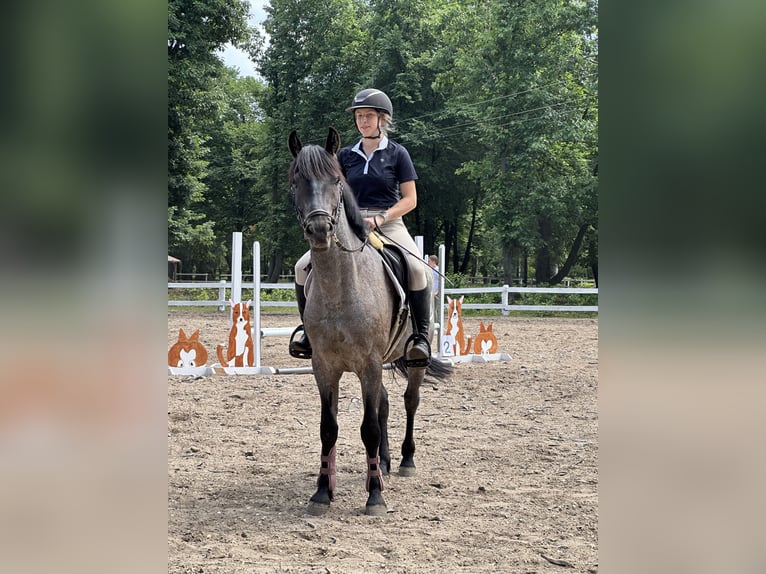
(314, 162)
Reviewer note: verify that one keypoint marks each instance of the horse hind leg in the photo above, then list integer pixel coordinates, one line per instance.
(385, 456)
(411, 403)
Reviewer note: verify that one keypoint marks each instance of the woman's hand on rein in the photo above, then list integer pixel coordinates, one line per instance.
(376, 220)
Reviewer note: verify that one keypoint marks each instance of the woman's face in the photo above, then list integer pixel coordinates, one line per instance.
(367, 121)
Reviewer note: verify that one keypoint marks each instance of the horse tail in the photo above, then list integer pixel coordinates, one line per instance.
(438, 369)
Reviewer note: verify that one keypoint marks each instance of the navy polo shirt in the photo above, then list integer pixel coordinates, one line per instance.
(376, 182)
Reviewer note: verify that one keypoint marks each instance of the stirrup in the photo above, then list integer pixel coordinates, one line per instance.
(416, 363)
(294, 349)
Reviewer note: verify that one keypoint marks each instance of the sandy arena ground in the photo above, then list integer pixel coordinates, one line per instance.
(507, 456)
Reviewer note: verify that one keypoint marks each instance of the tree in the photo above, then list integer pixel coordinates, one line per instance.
(234, 200)
(315, 48)
(531, 69)
(196, 30)
(406, 61)
(496, 102)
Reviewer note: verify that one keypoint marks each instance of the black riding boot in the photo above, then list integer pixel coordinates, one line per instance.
(417, 349)
(301, 349)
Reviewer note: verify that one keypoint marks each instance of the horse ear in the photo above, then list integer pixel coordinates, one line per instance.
(294, 143)
(332, 145)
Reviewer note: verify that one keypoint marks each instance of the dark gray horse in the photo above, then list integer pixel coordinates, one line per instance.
(351, 310)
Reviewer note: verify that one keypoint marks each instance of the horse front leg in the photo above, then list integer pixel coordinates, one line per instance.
(372, 391)
(385, 456)
(411, 403)
(328, 431)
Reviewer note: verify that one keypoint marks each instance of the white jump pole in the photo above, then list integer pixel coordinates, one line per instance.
(257, 302)
(236, 266)
(440, 298)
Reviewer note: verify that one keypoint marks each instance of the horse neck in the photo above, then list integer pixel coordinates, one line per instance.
(335, 264)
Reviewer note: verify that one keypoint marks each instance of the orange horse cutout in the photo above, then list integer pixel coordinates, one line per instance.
(240, 347)
(187, 352)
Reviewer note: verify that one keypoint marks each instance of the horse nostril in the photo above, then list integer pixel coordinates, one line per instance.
(319, 226)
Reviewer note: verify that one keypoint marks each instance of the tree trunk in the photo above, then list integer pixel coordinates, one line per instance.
(510, 257)
(276, 261)
(471, 230)
(453, 242)
(543, 254)
(573, 252)
(593, 254)
(447, 244)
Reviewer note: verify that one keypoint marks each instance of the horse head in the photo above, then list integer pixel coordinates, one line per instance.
(316, 187)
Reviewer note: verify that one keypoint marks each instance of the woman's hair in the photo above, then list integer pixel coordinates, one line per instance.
(389, 123)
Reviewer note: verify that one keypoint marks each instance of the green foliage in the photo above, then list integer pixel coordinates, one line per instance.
(497, 103)
(178, 294)
(278, 295)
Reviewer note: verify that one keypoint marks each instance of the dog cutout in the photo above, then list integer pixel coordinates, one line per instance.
(187, 352)
(486, 342)
(455, 332)
(240, 347)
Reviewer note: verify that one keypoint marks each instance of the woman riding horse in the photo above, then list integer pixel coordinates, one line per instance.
(349, 313)
(382, 177)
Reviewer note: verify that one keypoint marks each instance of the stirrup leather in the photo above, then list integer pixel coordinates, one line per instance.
(295, 351)
(416, 338)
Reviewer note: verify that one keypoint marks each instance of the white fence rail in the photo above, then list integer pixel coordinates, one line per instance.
(504, 306)
(236, 285)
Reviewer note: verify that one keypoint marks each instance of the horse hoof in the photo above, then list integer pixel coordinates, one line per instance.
(407, 470)
(376, 510)
(317, 508)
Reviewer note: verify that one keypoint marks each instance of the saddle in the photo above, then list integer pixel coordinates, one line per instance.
(396, 264)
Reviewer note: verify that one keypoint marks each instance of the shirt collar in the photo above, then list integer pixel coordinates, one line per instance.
(382, 145)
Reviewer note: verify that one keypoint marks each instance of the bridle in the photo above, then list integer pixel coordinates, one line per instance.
(304, 219)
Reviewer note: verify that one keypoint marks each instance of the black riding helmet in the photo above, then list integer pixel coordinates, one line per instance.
(372, 98)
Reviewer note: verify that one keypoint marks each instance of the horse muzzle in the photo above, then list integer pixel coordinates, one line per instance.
(319, 229)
